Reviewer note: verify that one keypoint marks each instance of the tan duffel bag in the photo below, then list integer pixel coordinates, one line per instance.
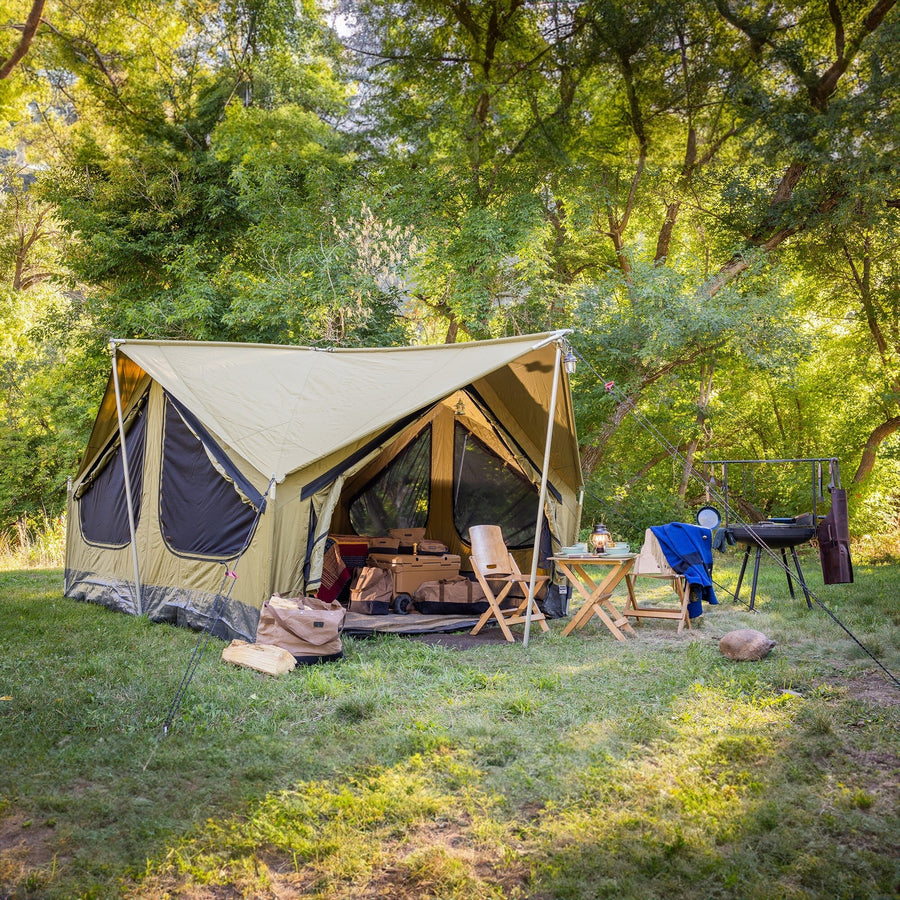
(308, 628)
(371, 592)
(450, 597)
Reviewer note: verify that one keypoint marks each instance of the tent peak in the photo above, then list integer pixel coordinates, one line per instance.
(537, 341)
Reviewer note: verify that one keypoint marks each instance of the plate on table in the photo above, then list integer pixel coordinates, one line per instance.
(617, 553)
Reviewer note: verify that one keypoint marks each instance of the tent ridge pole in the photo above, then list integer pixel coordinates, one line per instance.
(543, 497)
(127, 473)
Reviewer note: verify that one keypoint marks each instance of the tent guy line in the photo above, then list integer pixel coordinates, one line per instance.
(204, 637)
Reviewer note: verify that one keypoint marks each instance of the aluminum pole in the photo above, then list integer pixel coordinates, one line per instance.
(543, 500)
(130, 504)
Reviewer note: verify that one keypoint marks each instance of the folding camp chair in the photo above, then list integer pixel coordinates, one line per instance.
(497, 573)
(652, 563)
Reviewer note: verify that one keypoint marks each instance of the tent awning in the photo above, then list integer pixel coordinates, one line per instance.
(282, 408)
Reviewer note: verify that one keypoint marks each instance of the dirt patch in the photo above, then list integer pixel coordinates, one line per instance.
(464, 640)
(25, 847)
(436, 859)
(174, 889)
(441, 859)
(874, 687)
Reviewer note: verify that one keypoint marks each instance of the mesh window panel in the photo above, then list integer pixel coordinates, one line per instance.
(103, 507)
(398, 496)
(487, 492)
(200, 512)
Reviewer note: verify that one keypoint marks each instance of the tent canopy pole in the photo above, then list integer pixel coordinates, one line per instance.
(543, 497)
(127, 473)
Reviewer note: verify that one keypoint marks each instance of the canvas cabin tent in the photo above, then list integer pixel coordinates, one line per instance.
(258, 452)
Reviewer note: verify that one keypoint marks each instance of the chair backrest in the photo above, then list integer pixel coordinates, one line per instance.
(489, 551)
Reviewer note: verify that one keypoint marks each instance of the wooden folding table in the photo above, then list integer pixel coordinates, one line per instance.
(596, 594)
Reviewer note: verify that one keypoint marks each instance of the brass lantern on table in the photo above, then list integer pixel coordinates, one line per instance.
(600, 538)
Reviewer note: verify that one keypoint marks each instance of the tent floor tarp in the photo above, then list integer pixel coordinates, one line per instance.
(411, 623)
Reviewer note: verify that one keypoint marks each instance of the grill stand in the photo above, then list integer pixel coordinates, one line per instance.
(787, 572)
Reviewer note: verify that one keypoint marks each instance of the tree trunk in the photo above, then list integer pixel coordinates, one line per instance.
(867, 463)
(28, 32)
(452, 329)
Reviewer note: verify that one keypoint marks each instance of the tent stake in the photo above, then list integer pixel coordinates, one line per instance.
(125, 469)
(543, 498)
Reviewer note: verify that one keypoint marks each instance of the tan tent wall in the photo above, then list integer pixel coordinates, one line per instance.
(97, 573)
(174, 588)
(440, 525)
(180, 589)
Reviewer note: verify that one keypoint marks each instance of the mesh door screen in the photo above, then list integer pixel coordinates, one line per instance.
(200, 512)
(398, 496)
(488, 492)
(103, 507)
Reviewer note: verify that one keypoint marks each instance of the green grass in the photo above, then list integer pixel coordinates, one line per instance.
(33, 543)
(576, 768)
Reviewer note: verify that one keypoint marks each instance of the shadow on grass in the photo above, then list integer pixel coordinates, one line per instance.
(580, 768)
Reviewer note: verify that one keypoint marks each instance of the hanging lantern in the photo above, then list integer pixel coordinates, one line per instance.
(600, 538)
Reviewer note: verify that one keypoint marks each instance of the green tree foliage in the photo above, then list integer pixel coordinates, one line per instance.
(645, 172)
(703, 191)
(48, 365)
(201, 162)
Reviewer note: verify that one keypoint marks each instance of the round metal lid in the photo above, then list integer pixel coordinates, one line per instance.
(708, 517)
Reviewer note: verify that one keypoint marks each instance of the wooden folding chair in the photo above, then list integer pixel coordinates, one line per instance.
(651, 563)
(497, 573)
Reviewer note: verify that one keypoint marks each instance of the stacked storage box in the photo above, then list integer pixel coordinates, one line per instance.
(409, 570)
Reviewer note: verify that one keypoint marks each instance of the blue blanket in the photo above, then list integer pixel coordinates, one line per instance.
(688, 550)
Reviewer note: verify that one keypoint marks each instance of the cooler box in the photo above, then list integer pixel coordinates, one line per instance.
(409, 571)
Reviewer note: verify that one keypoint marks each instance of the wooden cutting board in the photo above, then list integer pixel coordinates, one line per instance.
(265, 658)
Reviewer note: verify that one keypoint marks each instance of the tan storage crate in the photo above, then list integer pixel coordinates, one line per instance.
(409, 571)
(408, 536)
(384, 544)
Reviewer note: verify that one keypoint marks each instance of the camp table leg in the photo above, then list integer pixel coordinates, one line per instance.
(597, 595)
(601, 604)
(631, 603)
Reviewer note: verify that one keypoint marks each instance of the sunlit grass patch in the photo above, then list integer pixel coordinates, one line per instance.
(339, 835)
(579, 767)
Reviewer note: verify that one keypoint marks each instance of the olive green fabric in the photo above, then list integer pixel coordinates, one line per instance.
(318, 424)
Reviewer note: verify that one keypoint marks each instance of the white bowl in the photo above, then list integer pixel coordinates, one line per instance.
(619, 549)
